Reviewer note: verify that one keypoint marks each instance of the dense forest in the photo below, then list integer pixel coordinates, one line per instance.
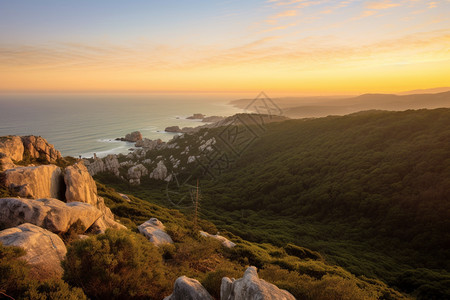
(368, 190)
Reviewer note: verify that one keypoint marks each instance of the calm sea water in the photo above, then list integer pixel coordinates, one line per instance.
(81, 124)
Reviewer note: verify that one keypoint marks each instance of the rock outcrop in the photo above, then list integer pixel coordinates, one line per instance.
(225, 242)
(11, 146)
(155, 232)
(250, 287)
(108, 164)
(160, 172)
(35, 182)
(135, 173)
(186, 288)
(51, 214)
(149, 144)
(112, 164)
(74, 185)
(38, 147)
(80, 186)
(44, 250)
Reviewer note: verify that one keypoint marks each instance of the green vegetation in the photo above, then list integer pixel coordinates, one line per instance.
(115, 265)
(16, 281)
(208, 261)
(368, 191)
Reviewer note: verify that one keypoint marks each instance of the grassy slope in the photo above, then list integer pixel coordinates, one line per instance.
(301, 271)
(368, 190)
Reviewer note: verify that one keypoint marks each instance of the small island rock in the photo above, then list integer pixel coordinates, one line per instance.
(175, 129)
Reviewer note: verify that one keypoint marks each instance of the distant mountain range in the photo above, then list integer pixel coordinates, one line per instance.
(307, 107)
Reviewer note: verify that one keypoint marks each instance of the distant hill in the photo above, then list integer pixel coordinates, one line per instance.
(426, 91)
(306, 107)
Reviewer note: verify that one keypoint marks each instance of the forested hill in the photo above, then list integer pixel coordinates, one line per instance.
(370, 190)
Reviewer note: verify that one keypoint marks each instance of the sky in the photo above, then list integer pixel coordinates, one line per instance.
(291, 46)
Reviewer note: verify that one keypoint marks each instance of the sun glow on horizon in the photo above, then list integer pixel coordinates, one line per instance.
(311, 47)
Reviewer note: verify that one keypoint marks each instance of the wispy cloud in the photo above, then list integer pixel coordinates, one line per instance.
(286, 13)
(378, 5)
(428, 46)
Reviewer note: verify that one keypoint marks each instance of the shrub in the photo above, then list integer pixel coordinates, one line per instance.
(16, 282)
(301, 252)
(116, 265)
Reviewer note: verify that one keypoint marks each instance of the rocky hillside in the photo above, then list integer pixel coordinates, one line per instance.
(61, 240)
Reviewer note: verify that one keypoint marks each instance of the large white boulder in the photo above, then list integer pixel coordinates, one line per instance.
(44, 250)
(155, 232)
(48, 213)
(186, 288)
(35, 182)
(250, 287)
(80, 186)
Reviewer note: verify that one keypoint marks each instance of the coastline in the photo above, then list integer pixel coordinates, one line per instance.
(91, 127)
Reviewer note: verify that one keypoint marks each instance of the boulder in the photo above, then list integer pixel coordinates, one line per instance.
(135, 173)
(160, 172)
(250, 287)
(38, 147)
(225, 242)
(12, 147)
(186, 288)
(155, 232)
(35, 182)
(105, 222)
(80, 187)
(51, 214)
(132, 137)
(44, 250)
(172, 129)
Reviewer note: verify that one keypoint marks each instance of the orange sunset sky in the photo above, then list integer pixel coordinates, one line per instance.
(292, 46)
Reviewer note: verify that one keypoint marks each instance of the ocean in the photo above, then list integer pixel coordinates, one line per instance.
(84, 124)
